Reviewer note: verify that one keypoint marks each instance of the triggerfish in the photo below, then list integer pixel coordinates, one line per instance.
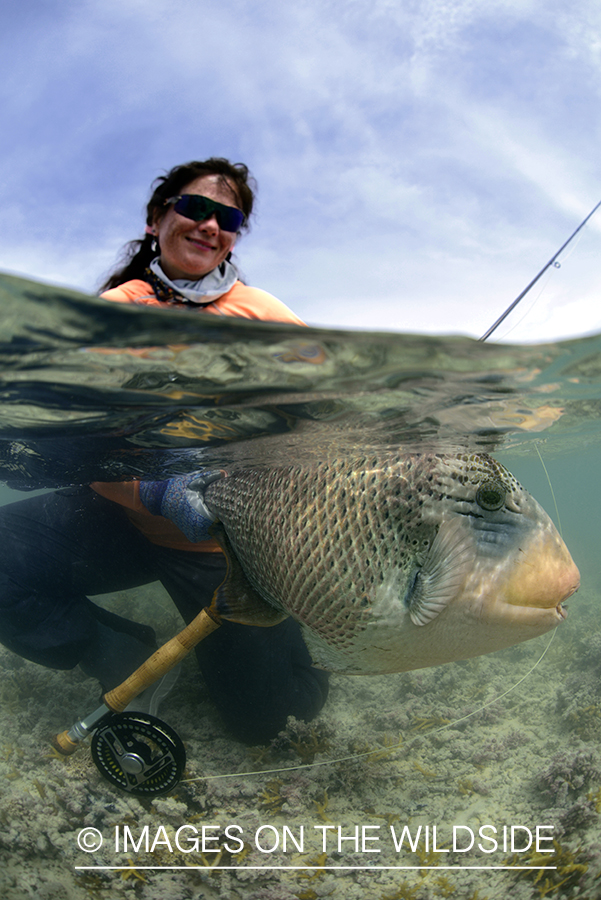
(394, 561)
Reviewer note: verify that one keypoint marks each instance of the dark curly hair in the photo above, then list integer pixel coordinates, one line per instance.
(138, 254)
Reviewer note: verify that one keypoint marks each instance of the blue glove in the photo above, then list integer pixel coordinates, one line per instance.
(181, 499)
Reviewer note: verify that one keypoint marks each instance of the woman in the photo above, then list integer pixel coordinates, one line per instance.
(193, 220)
(59, 548)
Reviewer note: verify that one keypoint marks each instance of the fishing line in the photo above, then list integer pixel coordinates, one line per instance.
(377, 752)
(536, 443)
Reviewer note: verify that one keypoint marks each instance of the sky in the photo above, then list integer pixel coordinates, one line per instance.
(418, 161)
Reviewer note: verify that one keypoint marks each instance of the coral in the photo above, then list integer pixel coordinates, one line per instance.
(499, 748)
(532, 764)
(275, 892)
(588, 655)
(585, 721)
(578, 816)
(579, 701)
(93, 882)
(568, 775)
(565, 782)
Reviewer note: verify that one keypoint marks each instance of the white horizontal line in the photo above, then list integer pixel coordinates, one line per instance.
(315, 867)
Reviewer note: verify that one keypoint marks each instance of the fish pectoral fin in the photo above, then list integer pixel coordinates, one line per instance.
(440, 578)
(236, 599)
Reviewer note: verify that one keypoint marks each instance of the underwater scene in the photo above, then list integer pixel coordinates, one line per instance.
(477, 779)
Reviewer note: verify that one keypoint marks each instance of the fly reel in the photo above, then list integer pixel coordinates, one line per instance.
(138, 753)
(134, 751)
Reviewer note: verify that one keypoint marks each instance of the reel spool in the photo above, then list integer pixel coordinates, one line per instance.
(138, 753)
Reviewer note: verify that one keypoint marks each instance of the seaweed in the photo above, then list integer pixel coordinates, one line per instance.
(429, 722)
(132, 872)
(93, 882)
(322, 806)
(316, 863)
(309, 745)
(389, 744)
(271, 798)
(425, 772)
(427, 858)
(571, 866)
(403, 892)
(445, 888)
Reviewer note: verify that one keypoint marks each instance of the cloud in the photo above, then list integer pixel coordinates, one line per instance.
(412, 158)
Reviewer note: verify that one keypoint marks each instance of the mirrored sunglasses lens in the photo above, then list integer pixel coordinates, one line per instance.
(229, 218)
(198, 208)
(194, 207)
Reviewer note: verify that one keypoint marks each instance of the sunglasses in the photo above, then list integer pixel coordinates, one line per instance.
(199, 208)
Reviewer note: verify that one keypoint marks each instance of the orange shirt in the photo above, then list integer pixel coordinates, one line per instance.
(240, 301)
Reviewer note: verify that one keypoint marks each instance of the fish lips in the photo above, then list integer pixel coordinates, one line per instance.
(544, 575)
(537, 577)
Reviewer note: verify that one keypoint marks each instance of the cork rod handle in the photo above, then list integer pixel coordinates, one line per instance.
(162, 661)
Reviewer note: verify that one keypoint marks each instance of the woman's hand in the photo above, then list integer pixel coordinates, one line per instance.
(181, 500)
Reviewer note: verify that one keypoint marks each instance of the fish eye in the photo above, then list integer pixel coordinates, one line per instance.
(491, 495)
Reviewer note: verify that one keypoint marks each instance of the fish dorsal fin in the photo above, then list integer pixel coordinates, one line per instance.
(236, 599)
(440, 578)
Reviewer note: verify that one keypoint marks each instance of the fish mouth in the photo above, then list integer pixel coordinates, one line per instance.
(537, 588)
(560, 608)
(536, 619)
(543, 574)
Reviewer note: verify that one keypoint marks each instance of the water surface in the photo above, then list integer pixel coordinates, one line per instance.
(98, 391)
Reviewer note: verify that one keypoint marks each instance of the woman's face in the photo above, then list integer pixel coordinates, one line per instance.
(192, 249)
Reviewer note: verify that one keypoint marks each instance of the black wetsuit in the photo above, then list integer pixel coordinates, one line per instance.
(57, 549)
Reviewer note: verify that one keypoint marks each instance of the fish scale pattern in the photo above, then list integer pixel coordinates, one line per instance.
(357, 549)
(318, 540)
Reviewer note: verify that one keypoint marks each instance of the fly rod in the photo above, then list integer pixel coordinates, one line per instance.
(501, 318)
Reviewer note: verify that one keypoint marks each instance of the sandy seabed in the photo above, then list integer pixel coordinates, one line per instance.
(383, 755)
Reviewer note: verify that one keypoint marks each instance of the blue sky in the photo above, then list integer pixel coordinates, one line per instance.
(418, 160)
